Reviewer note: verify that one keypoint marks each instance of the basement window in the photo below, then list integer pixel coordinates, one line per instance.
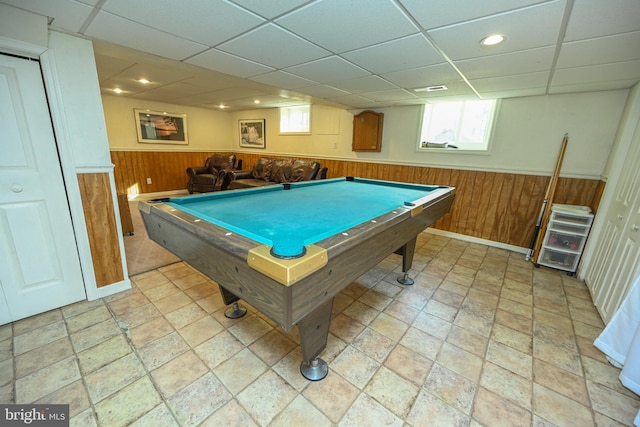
(455, 126)
(295, 120)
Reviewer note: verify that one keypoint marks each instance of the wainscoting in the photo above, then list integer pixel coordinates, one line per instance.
(100, 216)
(502, 207)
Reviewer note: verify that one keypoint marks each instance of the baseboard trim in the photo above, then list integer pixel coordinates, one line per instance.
(471, 239)
(114, 288)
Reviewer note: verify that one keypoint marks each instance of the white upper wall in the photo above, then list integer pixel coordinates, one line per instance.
(207, 130)
(526, 138)
(79, 106)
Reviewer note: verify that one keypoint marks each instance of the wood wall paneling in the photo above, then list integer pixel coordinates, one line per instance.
(502, 207)
(100, 216)
(167, 170)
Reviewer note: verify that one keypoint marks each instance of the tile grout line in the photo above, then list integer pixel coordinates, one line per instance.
(126, 332)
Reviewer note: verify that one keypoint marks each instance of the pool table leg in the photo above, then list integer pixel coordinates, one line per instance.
(236, 310)
(407, 251)
(314, 330)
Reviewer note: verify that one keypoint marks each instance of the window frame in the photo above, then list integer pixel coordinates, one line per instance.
(294, 132)
(486, 149)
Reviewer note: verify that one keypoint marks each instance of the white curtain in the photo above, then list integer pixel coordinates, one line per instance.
(620, 340)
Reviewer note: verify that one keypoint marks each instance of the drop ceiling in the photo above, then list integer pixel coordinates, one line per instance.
(351, 53)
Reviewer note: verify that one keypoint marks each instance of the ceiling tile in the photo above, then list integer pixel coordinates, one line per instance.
(155, 75)
(127, 86)
(168, 93)
(232, 93)
(270, 9)
(520, 81)
(141, 37)
(328, 70)
(364, 84)
(205, 22)
(617, 48)
(512, 93)
(597, 73)
(283, 79)
(221, 96)
(249, 103)
(423, 76)
(436, 13)
(357, 101)
(509, 63)
(176, 90)
(592, 87)
(401, 54)
(536, 26)
(68, 14)
(324, 91)
(595, 18)
(216, 60)
(511, 86)
(109, 66)
(389, 95)
(205, 79)
(330, 51)
(273, 46)
(340, 26)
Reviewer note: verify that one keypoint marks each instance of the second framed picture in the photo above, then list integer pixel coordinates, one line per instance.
(252, 133)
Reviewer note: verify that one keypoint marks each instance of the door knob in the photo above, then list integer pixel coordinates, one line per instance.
(619, 216)
(634, 227)
(16, 188)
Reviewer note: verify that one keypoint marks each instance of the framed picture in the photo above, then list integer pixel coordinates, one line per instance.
(252, 133)
(160, 127)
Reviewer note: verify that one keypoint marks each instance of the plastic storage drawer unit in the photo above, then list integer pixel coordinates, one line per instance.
(565, 237)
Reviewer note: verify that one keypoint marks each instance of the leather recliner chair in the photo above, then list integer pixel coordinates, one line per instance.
(210, 177)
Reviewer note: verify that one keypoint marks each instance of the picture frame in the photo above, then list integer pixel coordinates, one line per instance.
(156, 127)
(252, 133)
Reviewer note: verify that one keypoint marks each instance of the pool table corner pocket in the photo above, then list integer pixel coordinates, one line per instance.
(287, 271)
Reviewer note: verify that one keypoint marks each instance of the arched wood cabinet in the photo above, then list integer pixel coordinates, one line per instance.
(367, 131)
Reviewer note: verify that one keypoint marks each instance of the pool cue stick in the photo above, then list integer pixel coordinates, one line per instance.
(547, 203)
(532, 245)
(536, 230)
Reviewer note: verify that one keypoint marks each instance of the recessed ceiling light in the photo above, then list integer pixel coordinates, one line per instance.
(222, 106)
(144, 81)
(118, 90)
(256, 101)
(492, 40)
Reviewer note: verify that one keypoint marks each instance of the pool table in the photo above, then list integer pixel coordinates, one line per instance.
(289, 249)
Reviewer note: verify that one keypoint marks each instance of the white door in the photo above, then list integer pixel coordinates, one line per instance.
(39, 262)
(616, 262)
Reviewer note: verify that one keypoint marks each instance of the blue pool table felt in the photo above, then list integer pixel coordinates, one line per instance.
(309, 212)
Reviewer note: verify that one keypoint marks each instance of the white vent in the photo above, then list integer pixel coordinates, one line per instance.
(431, 88)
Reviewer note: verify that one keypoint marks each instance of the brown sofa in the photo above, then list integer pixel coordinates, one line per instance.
(210, 177)
(271, 171)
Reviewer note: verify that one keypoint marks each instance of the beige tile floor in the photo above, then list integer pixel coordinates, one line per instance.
(481, 338)
(142, 253)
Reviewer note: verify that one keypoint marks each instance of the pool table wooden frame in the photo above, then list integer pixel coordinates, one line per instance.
(306, 299)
